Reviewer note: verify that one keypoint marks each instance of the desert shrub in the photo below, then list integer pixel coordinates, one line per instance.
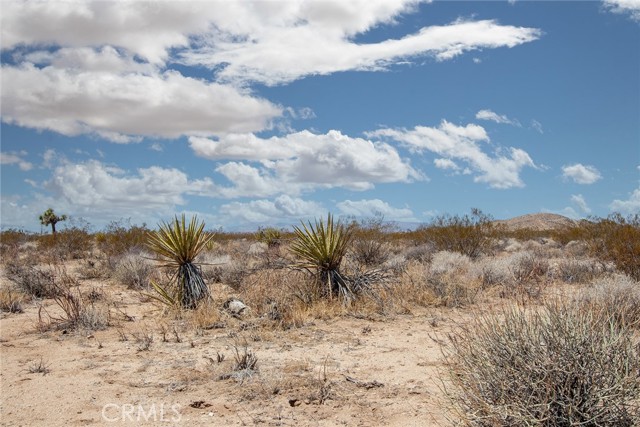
(559, 366)
(369, 252)
(444, 262)
(617, 239)
(578, 270)
(616, 296)
(370, 245)
(133, 270)
(93, 268)
(120, 237)
(471, 235)
(421, 252)
(11, 301)
(71, 243)
(450, 291)
(11, 240)
(34, 281)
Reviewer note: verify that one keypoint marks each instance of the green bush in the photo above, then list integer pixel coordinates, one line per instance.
(558, 366)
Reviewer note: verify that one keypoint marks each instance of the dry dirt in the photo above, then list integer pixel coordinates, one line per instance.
(343, 371)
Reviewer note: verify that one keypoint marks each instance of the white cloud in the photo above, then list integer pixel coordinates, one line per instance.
(446, 164)
(95, 188)
(495, 117)
(116, 106)
(313, 42)
(282, 209)
(374, 207)
(581, 174)
(580, 202)
(146, 29)
(461, 143)
(629, 206)
(116, 56)
(15, 158)
(631, 7)
(303, 160)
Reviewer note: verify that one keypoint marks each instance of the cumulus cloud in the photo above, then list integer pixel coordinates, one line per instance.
(15, 158)
(374, 207)
(93, 187)
(117, 106)
(115, 57)
(580, 202)
(581, 174)
(629, 206)
(281, 209)
(631, 7)
(303, 160)
(495, 117)
(462, 143)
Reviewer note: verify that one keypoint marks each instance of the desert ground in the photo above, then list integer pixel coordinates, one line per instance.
(127, 359)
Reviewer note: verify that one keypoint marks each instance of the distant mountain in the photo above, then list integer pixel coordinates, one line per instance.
(538, 221)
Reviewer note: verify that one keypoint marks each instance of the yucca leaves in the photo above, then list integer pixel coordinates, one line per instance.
(321, 248)
(178, 244)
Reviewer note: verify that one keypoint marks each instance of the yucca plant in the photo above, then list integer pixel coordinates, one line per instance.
(178, 244)
(321, 248)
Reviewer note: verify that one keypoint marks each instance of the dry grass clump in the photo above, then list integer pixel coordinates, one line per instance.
(559, 366)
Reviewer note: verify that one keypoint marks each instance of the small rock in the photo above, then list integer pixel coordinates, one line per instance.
(235, 306)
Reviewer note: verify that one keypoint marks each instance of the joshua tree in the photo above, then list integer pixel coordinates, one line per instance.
(50, 218)
(178, 244)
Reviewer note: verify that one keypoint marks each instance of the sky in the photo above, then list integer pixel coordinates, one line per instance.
(265, 113)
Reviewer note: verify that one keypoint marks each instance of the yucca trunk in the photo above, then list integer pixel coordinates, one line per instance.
(191, 285)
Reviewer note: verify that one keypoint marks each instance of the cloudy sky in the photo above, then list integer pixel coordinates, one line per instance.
(268, 112)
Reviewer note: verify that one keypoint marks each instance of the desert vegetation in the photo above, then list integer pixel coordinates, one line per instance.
(507, 326)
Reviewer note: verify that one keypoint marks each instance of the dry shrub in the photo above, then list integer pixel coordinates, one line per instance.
(578, 270)
(120, 238)
(369, 252)
(617, 239)
(133, 270)
(559, 366)
(617, 297)
(72, 243)
(78, 311)
(11, 240)
(38, 282)
(420, 252)
(445, 262)
(93, 269)
(11, 301)
(471, 235)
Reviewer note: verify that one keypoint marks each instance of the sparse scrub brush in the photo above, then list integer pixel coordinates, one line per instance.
(559, 366)
(471, 235)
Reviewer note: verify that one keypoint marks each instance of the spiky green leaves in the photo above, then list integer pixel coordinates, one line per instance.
(178, 244)
(321, 247)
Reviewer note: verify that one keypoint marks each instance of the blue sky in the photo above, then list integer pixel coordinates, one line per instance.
(265, 113)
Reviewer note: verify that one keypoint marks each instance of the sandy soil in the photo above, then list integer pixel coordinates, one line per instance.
(344, 371)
